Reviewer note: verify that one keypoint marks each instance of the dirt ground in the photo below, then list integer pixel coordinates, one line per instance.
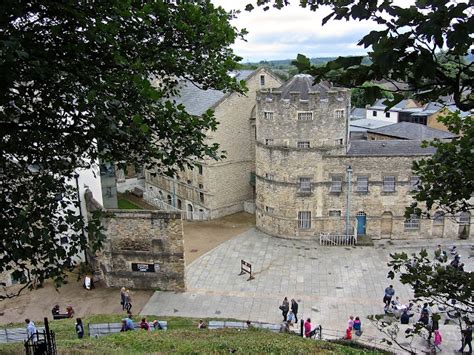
(199, 238)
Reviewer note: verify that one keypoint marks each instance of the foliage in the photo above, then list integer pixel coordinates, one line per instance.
(358, 98)
(183, 337)
(125, 204)
(447, 177)
(75, 89)
(434, 280)
(405, 49)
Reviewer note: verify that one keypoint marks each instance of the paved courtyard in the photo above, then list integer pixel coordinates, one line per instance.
(329, 283)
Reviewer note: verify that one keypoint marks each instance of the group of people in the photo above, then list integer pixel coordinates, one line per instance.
(125, 299)
(57, 313)
(32, 331)
(289, 312)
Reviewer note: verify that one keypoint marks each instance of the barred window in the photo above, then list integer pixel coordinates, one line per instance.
(304, 220)
(465, 218)
(305, 184)
(414, 183)
(412, 223)
(305, 116)
(362, 184)
(389, 183)
(334, 213)
(303, 144)
(268, 115)
(269, 176)
(339, 113)
(336, 184)
(268, 141)
(269, 209)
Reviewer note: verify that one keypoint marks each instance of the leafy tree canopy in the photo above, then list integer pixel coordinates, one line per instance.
(407, 49)
(447, 177)
(75, 87)
(358, 98)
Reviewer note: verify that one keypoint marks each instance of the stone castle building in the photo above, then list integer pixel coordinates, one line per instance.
(305, 166)
(217, 188)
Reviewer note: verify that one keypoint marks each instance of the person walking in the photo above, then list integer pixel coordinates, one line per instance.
(79, 328)
(31, 330)
(294, 309)
(437, 339)
(128, 301)
(357, 326)
(122, 298)
(387, 298)
(467, 337)
(350, 322)
(285, 307)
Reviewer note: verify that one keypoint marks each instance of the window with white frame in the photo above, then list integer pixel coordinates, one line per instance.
(334, 213)
(412, 223)
(305, 184)
(268, 141)
(465, 218)
(339, 113)
(336, 184)
(303, 144)
(362, 184)
(304, 220)
(389, 183)
(339, 141)
(305, 116)
(269, 176)
(438, 218)
(387, 114)
(414, 183)
(269, 209)
(268, 115)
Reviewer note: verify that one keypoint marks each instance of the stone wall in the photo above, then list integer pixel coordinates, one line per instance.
(139, 238)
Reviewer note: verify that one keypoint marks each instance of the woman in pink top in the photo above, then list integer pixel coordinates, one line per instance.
(307, 327)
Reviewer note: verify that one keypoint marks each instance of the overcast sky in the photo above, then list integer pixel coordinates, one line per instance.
(282, 34)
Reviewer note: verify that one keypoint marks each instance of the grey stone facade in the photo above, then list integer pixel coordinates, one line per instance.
(301, 170)
(141, 240)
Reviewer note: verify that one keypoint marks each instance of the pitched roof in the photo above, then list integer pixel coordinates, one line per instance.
(197, 101)
(358, 113)
(412, 131)
(389, 147)
(303, 84)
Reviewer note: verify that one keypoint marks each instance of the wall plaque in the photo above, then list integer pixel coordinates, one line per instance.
(143, 267)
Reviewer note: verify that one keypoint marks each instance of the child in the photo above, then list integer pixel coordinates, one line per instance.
(437, 339)
(357, 327)
(348, 334)
(291, 317)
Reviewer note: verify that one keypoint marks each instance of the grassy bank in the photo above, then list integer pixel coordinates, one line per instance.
(182, 337)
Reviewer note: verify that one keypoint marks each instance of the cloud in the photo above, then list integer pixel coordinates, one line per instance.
(282, 34)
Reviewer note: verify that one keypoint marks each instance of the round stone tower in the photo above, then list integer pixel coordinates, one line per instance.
(296, 125)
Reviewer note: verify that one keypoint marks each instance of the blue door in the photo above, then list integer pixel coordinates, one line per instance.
(361, 223)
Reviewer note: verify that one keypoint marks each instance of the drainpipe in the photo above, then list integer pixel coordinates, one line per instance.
(348, 210)
(174, 191)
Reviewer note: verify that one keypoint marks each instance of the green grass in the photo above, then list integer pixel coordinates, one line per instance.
(125, 204)
(182, 337)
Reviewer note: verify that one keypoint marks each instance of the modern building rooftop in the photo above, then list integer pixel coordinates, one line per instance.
(388, 148)
(411, 131)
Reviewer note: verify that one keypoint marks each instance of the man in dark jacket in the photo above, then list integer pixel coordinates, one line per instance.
(467, 337)
(294, 309)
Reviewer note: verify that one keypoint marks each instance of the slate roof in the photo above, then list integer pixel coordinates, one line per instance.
(302, 83)
(197, 101)
(369, 123)
(358, 113)
(412, 131)
(388, 147)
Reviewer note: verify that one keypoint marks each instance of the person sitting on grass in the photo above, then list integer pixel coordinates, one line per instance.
(202, 324)
(144, 324)
(157, 325)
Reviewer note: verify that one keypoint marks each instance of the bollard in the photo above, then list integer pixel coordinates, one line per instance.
(301, 327)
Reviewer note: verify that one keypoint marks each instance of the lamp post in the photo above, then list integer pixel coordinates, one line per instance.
(348, 210)
(76, 176)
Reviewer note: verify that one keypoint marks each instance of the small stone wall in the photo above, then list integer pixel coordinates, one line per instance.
(143, 250)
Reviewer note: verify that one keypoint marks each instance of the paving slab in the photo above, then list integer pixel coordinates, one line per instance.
(329, 283)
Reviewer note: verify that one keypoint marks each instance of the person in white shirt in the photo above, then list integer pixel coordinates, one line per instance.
(30, 329)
